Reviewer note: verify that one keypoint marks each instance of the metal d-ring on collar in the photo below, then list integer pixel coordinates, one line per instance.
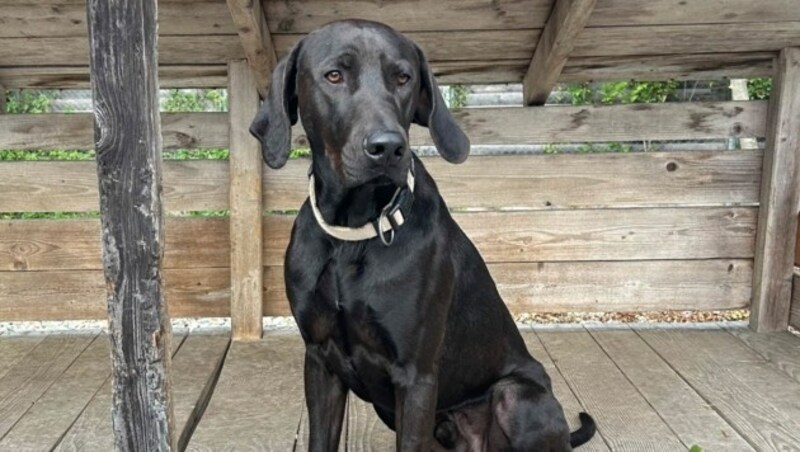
(392, 216)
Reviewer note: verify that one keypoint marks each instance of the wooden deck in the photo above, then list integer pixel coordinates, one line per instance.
(650, 389)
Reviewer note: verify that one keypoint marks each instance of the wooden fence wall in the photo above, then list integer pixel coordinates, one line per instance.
(588, 232)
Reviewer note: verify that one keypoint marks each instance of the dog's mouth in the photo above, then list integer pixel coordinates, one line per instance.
(395, 177)
(381, 181)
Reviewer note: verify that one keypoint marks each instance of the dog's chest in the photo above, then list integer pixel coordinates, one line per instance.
(358, 297)
(353, 317)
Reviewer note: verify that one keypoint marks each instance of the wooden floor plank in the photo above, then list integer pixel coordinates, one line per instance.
(365, 431)
(13, 349)
(626, 420)
(195, 371)
(759, 401)
(564, 394)
(258, 400)
(781, 349)
(687, 414)
(25, 383)
(42, 427)
(91, 431)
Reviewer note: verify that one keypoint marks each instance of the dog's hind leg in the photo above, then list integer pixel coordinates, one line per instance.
(526, 415)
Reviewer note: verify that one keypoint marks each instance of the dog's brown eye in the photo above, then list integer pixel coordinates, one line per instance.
(334, 77)
(402, 79)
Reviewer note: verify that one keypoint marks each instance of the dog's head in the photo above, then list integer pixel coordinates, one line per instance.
(358, 86)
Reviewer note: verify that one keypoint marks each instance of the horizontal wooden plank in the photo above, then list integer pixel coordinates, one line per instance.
(526, 287)
(680, 39)
(36, 245)
(634, 122)
(631, 234)
(530, 182)
(465, 45)
(74, 51)
(75, 131)
(599, 41)
(561, 235)
(685, 66)
(588, 69)
(59, 18)
(566, 181)
(67, 17)
(662, 67)
(430, 15)
(583, 235)
(599, 286)
(507, 125)
(77, 77)
(81, 294)
(51, 186)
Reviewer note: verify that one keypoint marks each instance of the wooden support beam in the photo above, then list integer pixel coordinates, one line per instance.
(123, 53)
(797, 246)
(563, 27)
(245, 203)
(251, 24)
(780, 198)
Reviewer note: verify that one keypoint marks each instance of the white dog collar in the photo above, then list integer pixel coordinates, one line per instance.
(392, 216)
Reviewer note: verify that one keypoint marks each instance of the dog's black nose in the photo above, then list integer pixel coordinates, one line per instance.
(385, 146)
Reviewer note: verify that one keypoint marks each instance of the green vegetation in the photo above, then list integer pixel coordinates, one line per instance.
(629, 92)
(195, 100)
(759, 88)
(196, 154)
(47, 215)
(25, 101)
(456, 96)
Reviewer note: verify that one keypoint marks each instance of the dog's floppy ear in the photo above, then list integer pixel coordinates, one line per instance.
(432, 112)
(273, 123)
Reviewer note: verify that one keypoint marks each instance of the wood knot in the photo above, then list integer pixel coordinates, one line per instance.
(672, 166)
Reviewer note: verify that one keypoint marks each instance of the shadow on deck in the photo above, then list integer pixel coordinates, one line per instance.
(649, 388)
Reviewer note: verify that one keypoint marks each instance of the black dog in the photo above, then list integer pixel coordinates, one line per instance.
(392, 299)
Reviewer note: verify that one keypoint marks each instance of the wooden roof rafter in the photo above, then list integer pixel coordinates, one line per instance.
(565, 23)
(251, 24)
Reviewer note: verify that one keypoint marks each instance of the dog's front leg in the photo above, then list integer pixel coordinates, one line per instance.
(415, 413)
(325, 398)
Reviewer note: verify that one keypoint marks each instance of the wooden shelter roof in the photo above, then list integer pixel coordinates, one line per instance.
(44, 43)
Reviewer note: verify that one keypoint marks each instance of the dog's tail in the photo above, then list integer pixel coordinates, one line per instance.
(585, 432)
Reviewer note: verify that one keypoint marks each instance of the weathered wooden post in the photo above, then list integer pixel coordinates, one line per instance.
(780, 196)
(245, 201)
(127, 132)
